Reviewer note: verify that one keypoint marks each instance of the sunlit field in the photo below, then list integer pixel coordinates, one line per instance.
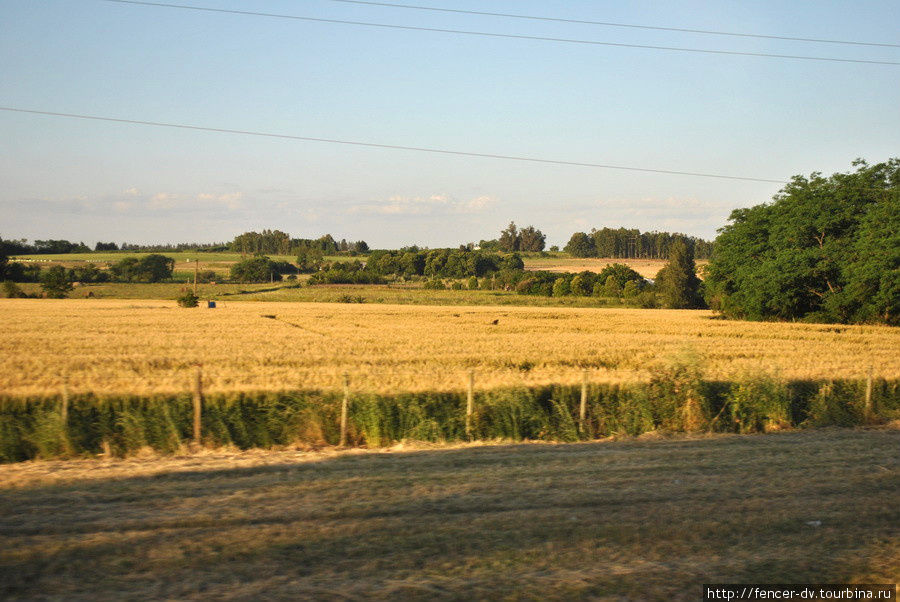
(648, 268)
(144, 347)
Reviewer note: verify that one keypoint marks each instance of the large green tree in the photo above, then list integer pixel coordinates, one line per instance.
(677, 285)
(581, 245)
(825, 249)
(55, 282)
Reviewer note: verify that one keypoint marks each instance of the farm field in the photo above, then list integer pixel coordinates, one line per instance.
(184, 261)
(288, 291)
(648, 268)
(147, 347)
(630, 520)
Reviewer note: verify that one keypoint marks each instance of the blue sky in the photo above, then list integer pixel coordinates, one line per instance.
(735, 115)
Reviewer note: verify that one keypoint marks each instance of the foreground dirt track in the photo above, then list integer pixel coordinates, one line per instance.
(650, 519)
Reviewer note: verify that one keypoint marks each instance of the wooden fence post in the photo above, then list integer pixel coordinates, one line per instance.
(869, 412)
(470, 404)
(345, 404)
(64, 403)
(582, 408)
(198, 404)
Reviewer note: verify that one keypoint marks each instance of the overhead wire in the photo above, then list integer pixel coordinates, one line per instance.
(500, 35)
(613, 24)
(482, 155)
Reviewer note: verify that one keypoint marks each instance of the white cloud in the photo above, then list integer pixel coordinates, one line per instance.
(435, 204)
(230, 200)
(162, 200)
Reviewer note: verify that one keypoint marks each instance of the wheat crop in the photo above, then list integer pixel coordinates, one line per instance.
(129, 347)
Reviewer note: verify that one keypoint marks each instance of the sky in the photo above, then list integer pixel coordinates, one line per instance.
(745, 116)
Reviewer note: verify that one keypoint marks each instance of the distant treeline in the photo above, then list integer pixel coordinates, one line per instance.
(40, 247)
(276, 242)
(631, 243)
(413, 264)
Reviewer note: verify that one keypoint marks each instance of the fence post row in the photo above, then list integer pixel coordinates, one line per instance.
(198, 404)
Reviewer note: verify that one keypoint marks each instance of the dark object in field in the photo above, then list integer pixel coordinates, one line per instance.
(269, 316)
(495, 322)
(211, 304)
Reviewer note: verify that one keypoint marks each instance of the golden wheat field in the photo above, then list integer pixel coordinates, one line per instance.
(145, 347)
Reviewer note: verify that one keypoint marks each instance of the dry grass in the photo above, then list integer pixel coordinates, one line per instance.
(648, 268)
(631, 520)
(115, 347)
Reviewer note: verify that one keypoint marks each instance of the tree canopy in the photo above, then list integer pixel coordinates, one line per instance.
(825, 249)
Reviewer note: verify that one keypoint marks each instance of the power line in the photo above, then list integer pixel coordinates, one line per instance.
(391, 146)
(611, 24)
(500, 35)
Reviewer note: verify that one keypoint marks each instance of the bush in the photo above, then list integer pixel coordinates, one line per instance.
(12, 290)
(759, 404)
(678, 395)
(206, 276)
(561, 287)
(255, 269)
(435, 284)
(631, 290)
(473, 283)
(647, 300)
(188, 299)
(56, 283)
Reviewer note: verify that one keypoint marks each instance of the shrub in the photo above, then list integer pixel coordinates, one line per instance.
(759, 404)
(435, 284)
(678, 395)
(631, 289)
(188, 299)
(56, 283)
(561, 287)
(12, 291)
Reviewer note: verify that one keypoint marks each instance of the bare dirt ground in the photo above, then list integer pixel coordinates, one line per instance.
(647, 519)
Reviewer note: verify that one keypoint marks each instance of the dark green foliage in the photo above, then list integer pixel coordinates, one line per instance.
(255, 269)
(631, 242)
(20, 272)
(55, 282)
(677, 285)
(611, 288)
(582, 285)
(310, 260)
(581, 245)
(509, 238)
(88, 274)
(677, 398)
(149, 268)
(826, 249)
(12, 291)
(561, 287)
(106, 246)
(622, 274)
(188, 299)
(349, 272)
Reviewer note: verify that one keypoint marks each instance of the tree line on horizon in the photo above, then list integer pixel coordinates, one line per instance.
(826, 249)
(631, 243)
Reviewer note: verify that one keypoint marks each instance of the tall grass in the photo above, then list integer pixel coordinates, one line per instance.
(676, 399)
